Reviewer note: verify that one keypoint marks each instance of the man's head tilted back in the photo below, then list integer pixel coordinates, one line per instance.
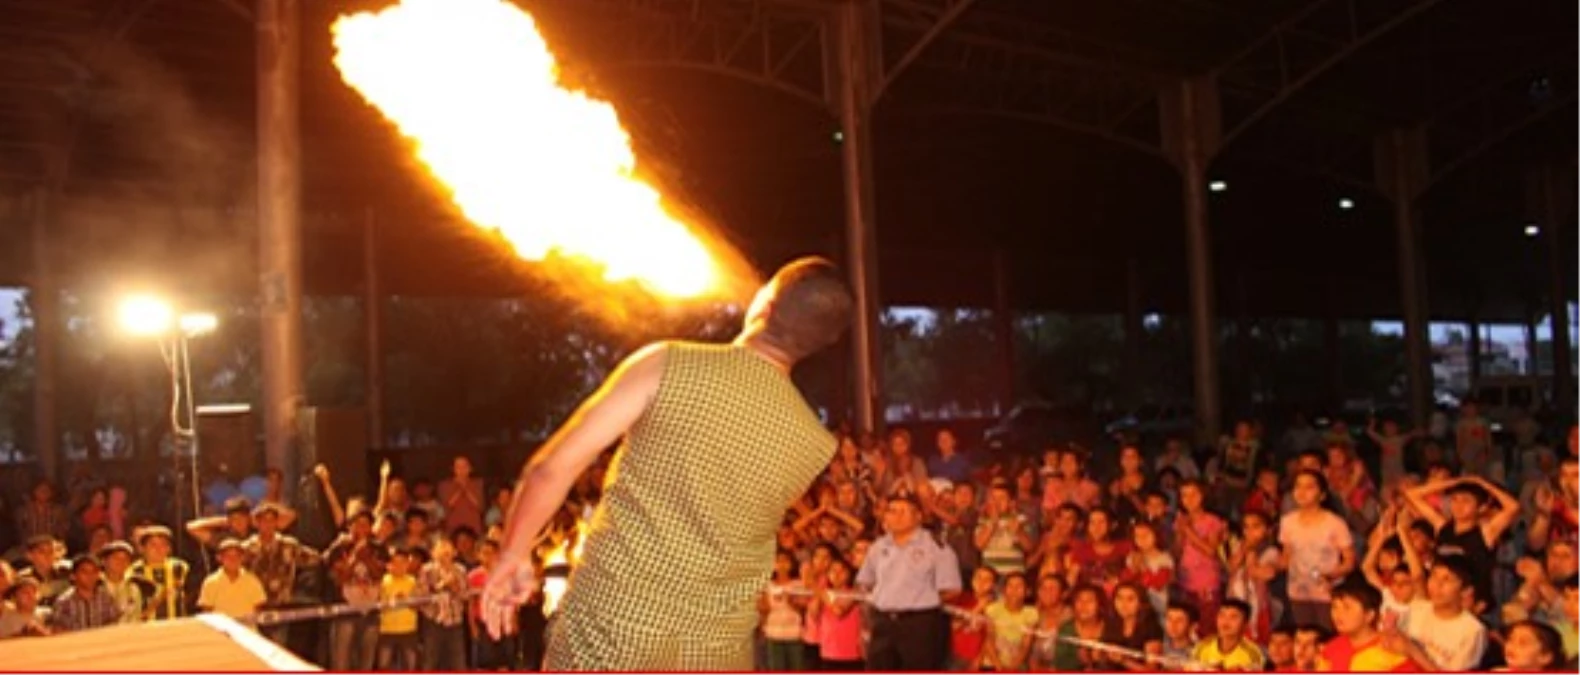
(804, 308)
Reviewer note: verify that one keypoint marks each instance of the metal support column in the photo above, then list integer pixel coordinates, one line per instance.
(1401, 169)
(1134, 308)
(1558, 198)
(1473, 349)
(857, 66)
(279, 226)
(1533, 316)
(1192, 127)
(373, 331)
(44, 304)
(1004, 330)
(1333, 357)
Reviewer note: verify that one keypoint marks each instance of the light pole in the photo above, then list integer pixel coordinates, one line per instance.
(149, 316)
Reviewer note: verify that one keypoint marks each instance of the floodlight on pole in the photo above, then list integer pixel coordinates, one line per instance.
(1532, 230)
(1218, 186)
(149, 316)
(146, 315)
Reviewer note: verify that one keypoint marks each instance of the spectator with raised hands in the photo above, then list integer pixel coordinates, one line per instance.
(1470, 530)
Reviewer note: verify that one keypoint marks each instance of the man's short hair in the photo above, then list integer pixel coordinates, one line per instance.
(1460, 567)
(1237, 605)
(238, 504)
(1187, 608)
(1358, 590)
(38, 541)
(811, 307)
(1476, 492)
(1322, 633)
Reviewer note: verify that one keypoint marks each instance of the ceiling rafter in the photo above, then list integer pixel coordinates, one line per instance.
(1271, 55)
(775, 49)
(948, 12)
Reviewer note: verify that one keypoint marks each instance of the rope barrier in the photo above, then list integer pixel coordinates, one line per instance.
(1041, 635)
(273, 617)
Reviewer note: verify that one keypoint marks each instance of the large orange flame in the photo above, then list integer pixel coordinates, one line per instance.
(474, 86)
(567, 554)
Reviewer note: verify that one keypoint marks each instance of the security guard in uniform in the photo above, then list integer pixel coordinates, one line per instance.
(908, 575)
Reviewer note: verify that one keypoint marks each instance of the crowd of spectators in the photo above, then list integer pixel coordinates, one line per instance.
(1333, 549)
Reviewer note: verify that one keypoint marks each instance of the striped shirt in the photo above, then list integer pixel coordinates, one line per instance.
(436, 578)
(74, 611)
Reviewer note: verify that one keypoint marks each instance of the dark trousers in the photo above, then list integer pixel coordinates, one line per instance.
(491, 654)
(443, 647)
(917, 640)
(399, 651)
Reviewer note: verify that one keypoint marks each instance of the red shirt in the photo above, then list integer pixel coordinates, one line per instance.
(966, 639)
(1342, 655)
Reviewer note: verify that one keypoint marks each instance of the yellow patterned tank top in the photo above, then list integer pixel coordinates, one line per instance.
(683, 540)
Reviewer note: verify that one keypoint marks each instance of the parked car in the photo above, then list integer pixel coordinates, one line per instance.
(1031, 427)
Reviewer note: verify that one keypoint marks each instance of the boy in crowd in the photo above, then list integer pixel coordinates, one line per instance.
(1359, 647)
(1178, 639)
(1281, 648)
(87, 604)
(443, 630)
(231, 590)
(398, 642)
(168, 573)
(127, 590)
(1308, 648)
(20, 615)
(1230, 649)
(1567, 615)
(1466, 532)
(1443, 634)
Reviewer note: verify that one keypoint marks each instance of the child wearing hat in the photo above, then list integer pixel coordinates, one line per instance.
(20, 615)
(168, 573)
(231, 590)
(131, 593)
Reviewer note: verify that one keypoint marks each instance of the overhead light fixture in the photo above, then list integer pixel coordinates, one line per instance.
(1532, 229)
(1218, 186)
(1345, 203)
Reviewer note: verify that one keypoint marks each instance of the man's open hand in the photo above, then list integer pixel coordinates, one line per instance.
(509, 586)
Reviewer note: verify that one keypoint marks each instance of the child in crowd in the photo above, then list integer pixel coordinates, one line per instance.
(1230, 648)
(781, 624)
(839, 620)
(1150, 565)
(1358, 646)
(398, 642)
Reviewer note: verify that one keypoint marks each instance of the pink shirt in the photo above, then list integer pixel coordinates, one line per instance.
(460, 510)
(1198, 571)
(840, 635)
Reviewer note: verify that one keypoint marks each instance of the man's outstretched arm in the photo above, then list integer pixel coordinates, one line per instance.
(598, 423)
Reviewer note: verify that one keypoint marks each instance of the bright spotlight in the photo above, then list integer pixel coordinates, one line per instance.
(1345, 203)
(1218, 186)
(146, 315)
(198, 323)
(1532, 230)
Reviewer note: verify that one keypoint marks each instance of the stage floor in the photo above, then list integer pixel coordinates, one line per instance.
(208, 643)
